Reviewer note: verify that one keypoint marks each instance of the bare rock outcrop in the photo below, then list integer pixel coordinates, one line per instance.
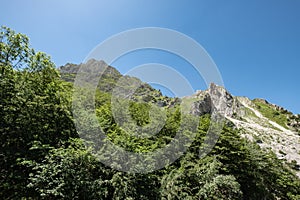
(218, 99)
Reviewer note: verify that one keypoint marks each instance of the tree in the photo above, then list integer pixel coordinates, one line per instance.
(259, 172)
(35, 110)
(199, 180)
(70, 172)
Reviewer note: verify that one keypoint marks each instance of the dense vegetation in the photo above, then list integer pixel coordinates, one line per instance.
(42, 156)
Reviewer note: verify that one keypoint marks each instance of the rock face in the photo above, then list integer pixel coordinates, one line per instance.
(284, 141)
(216, 98)
(224, 102)
(203, 106)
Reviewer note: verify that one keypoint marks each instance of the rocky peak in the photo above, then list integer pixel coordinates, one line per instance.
(221, 99)
(215, 98)
(91, 67)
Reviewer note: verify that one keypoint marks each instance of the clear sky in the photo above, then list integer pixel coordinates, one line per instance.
(255, 43)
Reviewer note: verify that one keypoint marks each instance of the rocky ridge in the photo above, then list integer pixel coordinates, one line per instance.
(255, 124)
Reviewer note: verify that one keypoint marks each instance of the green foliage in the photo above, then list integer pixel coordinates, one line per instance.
(199, 180)
(70, 173)
(221, 187)
(14, 49)
(134, 186)
(140, 113)
(34, 108)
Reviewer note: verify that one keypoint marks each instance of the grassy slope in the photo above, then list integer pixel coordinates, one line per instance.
(271, 113)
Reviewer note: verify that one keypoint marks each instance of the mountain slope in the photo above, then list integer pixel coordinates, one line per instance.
(270, 126)
(112, 79)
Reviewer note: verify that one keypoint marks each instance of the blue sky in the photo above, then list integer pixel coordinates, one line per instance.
(255, 44)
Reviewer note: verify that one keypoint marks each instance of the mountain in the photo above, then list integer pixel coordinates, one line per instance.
(111, 78)
(269, 125)
(119, 138)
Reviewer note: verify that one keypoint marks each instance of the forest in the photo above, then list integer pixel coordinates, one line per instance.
(43, 155)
